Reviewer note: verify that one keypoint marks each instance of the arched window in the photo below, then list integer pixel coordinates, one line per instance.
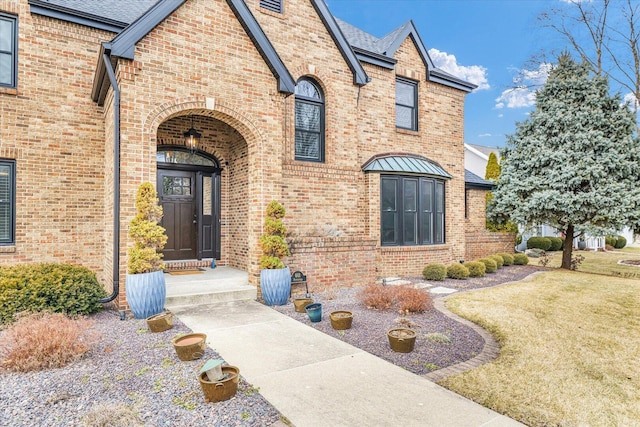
(309, 121)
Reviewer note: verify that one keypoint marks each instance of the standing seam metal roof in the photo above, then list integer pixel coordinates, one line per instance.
(405, 163)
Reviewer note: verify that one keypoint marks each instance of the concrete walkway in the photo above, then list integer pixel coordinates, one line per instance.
(316, 380)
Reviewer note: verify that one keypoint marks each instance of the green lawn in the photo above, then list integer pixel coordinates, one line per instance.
(570, 348)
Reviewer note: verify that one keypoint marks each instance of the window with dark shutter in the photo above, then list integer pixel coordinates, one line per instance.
(8, 50)
(272, 5)
(7, 202)
(411, 211)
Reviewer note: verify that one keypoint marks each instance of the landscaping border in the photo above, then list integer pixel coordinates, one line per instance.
(491, 349)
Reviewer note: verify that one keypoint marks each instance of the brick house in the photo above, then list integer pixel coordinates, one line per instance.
(360, 138)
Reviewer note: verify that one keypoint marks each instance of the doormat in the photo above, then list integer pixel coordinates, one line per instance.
(185, 271)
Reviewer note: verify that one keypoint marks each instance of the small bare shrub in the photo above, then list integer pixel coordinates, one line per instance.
(44, 340)
(412, 300)
(111, 415)
(544, 259)
(377, 296)
(576, 260)
(609, 248)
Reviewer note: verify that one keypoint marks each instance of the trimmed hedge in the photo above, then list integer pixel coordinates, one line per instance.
(507, 259)
(556, 243)
(621, 242)
(476, 268)
(59, 288)
(435, 272)
(537, 242)
(490, 265)
(498, 259)
(520, 259)
(457, 271)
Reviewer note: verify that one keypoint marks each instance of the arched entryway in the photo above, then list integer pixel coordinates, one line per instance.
(188, 183)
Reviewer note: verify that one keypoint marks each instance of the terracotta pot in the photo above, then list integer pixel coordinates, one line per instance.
(160, 322)
(190, 346)
(402, 340)
(225, 389)
(341, 319)
(301, 303)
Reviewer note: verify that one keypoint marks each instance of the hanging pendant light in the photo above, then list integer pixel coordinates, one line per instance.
(192, 138)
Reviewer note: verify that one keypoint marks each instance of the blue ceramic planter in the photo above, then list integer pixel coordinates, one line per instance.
(314, 311)
(275, 286)
(146, 293)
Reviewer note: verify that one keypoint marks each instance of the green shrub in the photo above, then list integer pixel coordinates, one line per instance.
(435, 272)
(543, 243)
(457, 271)
(621, 242)
(556, 243)
(520, 259)
(506, 258)
(518, 239)
(476, 268)
(611, 240)
(498, 259)
(272, 242)
(489, 264)
(59, 288)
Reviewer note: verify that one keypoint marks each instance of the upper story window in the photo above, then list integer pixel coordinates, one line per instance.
(272, 5)
(8, 50)
(7, 202)
(309, 121)
(412, 211)
(406, 104)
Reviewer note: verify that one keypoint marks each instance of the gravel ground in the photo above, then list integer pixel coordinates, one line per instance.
(440, 341)
(130, 373)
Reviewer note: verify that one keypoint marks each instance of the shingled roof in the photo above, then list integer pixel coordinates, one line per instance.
(472, 180)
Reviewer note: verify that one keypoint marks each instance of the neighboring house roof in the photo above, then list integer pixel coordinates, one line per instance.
(485, 151)
(405, 163)
(473, 181)
(381, 51)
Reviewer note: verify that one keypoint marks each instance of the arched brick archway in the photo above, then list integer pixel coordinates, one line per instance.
(240, 158)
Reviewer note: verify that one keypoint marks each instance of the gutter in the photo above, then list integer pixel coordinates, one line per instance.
(116, 179)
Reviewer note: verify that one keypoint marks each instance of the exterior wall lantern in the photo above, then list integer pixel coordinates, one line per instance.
(192, 138)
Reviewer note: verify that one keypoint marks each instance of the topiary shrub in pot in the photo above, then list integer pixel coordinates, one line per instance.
(457, 271)
(435, 271)
(476, 268)
(275, 278)
(146, 289)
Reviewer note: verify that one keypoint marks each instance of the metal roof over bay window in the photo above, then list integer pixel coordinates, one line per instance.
(405, 163)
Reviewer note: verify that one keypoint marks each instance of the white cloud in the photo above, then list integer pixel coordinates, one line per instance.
(526, 83)
(484, 135)
(500, 115)
(631, 100)
(475, 74)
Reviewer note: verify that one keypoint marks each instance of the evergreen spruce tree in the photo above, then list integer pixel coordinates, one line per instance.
(575, 162)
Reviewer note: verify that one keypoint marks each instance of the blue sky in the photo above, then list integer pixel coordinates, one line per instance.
(485, 41)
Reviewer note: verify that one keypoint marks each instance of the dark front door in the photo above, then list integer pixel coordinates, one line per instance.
(177, 193)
